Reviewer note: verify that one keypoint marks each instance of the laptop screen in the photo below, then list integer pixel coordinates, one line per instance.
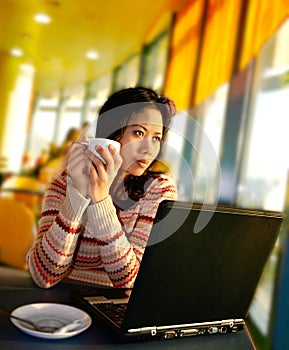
(190, 275)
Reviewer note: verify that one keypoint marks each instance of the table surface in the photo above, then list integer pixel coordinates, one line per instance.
(17, 289)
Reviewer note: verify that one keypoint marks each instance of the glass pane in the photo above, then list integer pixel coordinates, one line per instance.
(211, 116)
(43, 124)
(156, 62)
(172, 154)
(260, 310)
(103, 89)
(97, 92)
(127, 74)
(71, 112)
(264, 170)
(194, 149)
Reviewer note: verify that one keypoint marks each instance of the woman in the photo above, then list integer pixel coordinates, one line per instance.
(96, 218)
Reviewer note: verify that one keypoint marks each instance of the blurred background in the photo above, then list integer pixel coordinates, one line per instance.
(224, 63)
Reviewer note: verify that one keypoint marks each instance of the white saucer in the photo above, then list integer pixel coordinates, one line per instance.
(52, 313)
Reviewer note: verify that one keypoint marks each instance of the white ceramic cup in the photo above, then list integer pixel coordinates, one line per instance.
(93, 142)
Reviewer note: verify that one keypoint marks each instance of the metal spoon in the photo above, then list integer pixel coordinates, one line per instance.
(69, 327)
(29, 322)
(59, 329)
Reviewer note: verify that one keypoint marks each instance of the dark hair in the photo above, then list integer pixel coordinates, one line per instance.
(114, 116)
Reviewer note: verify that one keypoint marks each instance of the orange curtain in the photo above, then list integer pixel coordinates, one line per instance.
(218, 48)
(218, 44)
(184, 50)
(263, 19)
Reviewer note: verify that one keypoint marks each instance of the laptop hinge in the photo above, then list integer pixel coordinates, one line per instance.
(183, 330)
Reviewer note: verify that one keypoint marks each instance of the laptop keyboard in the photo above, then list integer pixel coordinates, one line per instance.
(113, 311)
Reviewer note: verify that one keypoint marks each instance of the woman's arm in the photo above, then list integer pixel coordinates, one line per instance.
(119, 248)
(122, 247)
(51, 255)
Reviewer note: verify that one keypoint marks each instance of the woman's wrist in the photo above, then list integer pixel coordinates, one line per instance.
(98, 199)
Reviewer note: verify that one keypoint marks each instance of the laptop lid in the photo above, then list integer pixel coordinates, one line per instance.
(201, 264)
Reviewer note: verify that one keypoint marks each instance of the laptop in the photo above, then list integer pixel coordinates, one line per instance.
(198, 275)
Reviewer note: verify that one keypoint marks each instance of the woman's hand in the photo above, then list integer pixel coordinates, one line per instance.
(89, 174)
(101, 175)
(78, 165)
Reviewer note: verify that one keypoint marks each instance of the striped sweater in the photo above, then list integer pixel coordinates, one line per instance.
(93, 243)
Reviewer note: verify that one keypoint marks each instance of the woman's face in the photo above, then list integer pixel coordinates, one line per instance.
(141, 141)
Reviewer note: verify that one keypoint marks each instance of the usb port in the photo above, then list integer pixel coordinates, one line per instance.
(189, 332)
(213, 330)
(170, 334)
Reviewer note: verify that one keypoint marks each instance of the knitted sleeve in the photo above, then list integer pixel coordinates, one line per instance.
(51, 255)
(121, 251)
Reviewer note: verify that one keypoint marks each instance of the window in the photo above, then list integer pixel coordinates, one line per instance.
(155, 63)
(43, 124)
(70, 115)
(264, 173)
(127, 74)
(264, 170)
(208, 146)
(173, 154)
(194, 149)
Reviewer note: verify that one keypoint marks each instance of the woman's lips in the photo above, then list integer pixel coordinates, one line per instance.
(143, 162)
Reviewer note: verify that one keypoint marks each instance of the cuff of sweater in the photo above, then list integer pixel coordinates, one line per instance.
(75, 202)
(103, 216)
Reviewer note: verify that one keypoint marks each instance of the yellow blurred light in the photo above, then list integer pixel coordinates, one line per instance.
(92, 55)
(42, 18)
(16, 52)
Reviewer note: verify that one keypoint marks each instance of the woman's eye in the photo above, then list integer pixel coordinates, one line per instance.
(139, 133)
(157, 139)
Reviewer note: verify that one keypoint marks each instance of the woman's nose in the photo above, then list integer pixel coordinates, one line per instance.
(146, 146)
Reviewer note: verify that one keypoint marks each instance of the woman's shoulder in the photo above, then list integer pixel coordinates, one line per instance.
(59, 183)
(163, 179)
(163, 184)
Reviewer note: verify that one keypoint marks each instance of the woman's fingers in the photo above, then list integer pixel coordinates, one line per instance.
(108, 170)
(111, 157)
(116, 156)
(74, 154)
(105, 172)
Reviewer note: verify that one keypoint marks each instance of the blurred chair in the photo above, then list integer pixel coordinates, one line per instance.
(17, 232)
(48, 172)
(24, 189)
(3, 168)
